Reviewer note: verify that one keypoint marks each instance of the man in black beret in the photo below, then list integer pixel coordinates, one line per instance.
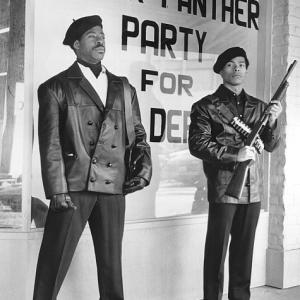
(89, 123)
(220, 146)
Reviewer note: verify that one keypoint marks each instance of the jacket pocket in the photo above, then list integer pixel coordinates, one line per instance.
(69, 159)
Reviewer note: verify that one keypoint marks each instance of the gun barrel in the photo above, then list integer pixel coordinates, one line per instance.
(283, 83)
(290, 70)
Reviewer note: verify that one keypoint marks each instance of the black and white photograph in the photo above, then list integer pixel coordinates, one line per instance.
(149, 149)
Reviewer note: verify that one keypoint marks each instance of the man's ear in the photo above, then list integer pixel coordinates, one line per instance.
(76, 45)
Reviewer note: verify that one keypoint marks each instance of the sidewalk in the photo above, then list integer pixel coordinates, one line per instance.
(269, 293)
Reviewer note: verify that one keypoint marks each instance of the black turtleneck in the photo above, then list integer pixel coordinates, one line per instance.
(95, 68)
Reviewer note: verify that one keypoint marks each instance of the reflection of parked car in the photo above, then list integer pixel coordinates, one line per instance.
(182, 168)
(11, 204)
(10, 193)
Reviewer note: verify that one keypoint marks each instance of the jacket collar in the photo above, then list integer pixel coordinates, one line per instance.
(225, 95)
(113, 89)
(74, 73)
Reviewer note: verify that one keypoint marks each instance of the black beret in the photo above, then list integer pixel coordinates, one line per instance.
(227, 55)
(79, 27)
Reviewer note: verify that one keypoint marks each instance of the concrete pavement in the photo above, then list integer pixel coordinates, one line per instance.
(270, 293)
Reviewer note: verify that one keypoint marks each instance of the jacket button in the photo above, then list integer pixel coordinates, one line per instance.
(90, 122)
(107, 181)
(92, 143)
(94, 160)
(92, 179)
(116, 127)
(109, 165)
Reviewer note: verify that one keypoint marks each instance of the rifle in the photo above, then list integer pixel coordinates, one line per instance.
(238, 180)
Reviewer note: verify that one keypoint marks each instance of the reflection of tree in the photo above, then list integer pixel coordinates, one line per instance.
(10, 206)
(12, 21)
(14, 68)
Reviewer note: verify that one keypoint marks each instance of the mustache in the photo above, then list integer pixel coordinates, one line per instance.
(98, 45)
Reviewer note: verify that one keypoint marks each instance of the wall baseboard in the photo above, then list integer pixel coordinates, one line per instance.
(283, 268)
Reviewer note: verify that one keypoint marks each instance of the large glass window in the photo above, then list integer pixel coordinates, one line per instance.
(167, 49)
(12, 28)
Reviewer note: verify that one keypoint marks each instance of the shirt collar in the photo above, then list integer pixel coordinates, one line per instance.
(227, 93)
(85, 69)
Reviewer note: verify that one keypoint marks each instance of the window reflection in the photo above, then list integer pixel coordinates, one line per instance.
(183, 185)
(11, 111)
(178, 185)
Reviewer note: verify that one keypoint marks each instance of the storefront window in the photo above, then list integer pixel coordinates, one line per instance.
(12, 28)
(167, 50)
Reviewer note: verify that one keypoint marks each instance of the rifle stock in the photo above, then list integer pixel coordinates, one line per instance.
(238, 180)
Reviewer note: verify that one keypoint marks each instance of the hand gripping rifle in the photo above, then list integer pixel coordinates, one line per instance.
(238, 180)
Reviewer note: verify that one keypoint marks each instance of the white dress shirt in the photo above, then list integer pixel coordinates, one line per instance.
(100, 84)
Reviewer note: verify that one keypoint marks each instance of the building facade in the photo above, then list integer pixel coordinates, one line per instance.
(166, 49)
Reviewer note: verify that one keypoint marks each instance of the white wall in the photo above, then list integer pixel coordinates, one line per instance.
(284, 239)
(162, 260)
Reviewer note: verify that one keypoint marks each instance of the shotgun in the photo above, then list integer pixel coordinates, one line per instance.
(238, 180)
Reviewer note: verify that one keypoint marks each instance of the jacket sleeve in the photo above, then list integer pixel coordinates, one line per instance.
(141, 152)
(49, 122)
(202, 143)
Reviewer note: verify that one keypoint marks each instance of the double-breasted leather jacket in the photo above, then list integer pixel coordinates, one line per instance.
(217, 143)
(82, 143)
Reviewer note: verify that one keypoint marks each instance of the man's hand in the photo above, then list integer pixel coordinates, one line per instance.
(61, 202)
(246, 153)
(134, 184)
(274, 111)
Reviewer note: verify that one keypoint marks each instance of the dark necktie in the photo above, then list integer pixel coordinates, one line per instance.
(95, 68)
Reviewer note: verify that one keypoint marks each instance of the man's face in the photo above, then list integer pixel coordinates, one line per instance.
(91, 46)
(234, 71)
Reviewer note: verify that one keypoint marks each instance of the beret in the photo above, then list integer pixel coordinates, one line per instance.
(227, 55)
(79, 27)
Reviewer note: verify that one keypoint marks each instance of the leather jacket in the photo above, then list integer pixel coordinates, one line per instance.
(217, 143)
(83, 143)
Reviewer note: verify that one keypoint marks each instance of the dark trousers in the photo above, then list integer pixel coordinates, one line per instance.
(239, 221)
(105, 214)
